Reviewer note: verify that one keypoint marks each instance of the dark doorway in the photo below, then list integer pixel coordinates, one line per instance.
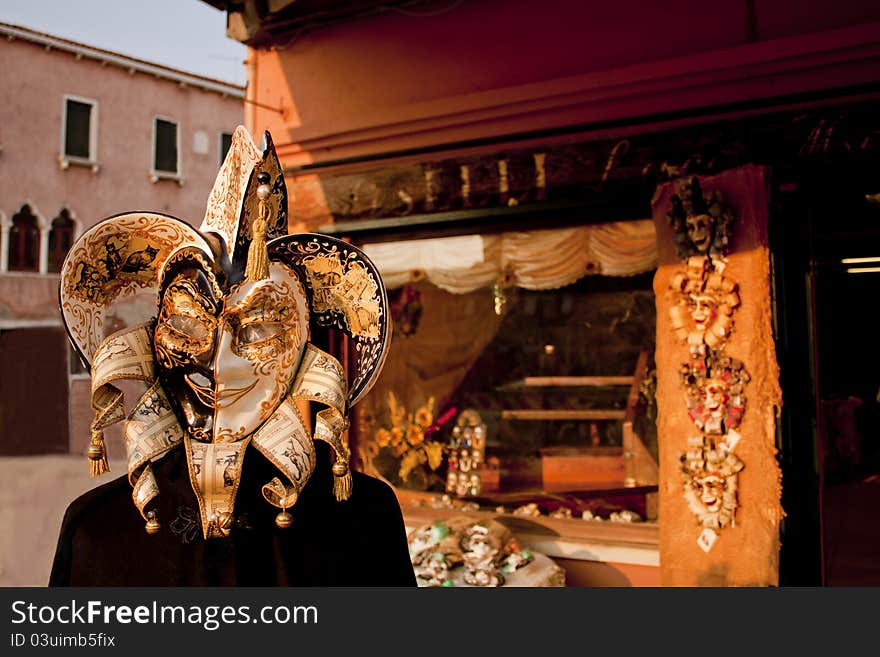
(843, 287)
(825, 234)
(846, 281)
(33, 391)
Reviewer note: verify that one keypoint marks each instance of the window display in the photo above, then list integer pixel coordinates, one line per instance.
(513, 399)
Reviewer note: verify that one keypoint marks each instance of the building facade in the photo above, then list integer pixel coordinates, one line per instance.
(86, 133)
(493, 118)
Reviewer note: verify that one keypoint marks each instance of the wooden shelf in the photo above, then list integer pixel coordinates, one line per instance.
(563, 414)
(417, 510)
(567, 382)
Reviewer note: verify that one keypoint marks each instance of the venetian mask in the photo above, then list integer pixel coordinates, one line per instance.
(715, 396)
(712, 497)
(228, 359)
(262, 334)
(703, 310)
(699, 230)
(710, 474)
(217, 328)
(185, 337)
(710, 491)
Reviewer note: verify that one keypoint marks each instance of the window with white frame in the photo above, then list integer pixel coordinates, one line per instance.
(225, 145)
(79, 129)
(166, 151)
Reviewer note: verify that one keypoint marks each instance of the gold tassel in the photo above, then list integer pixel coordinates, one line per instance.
(342, 487)
(257, 268)
(97, 454)
(341, 479)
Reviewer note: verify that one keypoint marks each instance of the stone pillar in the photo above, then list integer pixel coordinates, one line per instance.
(745, 553)
(5, 225)
(44, 248)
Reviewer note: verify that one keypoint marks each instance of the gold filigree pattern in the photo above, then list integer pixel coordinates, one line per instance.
(186, 326)
(114, 259)
(263, 331)
(348, 290)
(347, 294)
(227, 195)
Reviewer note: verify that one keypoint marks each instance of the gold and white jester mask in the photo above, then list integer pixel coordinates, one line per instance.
(218, 324)
(228, 356)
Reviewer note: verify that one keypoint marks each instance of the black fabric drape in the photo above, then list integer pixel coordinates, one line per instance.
(359, 542)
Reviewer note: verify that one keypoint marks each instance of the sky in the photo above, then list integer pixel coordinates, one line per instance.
(186, 34)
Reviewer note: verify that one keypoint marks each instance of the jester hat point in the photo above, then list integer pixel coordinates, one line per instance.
(219, 325)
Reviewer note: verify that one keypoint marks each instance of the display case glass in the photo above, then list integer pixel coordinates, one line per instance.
(560, 384)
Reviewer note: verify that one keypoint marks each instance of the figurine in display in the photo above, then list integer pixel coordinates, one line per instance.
(467, 455)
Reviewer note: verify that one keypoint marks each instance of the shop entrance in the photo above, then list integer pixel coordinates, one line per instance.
(846, 281)
(827, 269)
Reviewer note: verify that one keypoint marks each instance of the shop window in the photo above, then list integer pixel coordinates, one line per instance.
(24, 241)
(165, 148)
(79, 129)
(60, 239)
(534, 377)
(225, 144)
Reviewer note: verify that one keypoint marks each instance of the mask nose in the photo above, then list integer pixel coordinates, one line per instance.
(233, 375)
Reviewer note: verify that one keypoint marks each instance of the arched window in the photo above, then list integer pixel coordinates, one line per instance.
(60, 239)
(24, 241)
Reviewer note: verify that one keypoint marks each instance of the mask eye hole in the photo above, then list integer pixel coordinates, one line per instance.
(258, 332)
(189, 326)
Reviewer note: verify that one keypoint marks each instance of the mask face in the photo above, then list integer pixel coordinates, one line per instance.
(227, 360)
(262, 332)
(699, 229)
(184, 341)
(710, 490)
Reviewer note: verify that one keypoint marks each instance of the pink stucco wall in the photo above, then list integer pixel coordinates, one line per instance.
(35, 82)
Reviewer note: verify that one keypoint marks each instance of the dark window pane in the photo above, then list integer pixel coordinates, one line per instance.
(24, 241)
(166, 146)
(225, 143)
(60, 240)
(76, 132)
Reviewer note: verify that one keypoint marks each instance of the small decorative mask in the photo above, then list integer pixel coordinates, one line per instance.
(709, 474)
(701, 307)
(715, 392)
(701, 224)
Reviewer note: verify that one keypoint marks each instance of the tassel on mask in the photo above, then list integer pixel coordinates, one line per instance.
(341, 480)
(257, 267)
(97, 453)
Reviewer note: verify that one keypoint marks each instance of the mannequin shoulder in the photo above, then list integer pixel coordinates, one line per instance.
(369, 486)
(374, 495)
(100, 502)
